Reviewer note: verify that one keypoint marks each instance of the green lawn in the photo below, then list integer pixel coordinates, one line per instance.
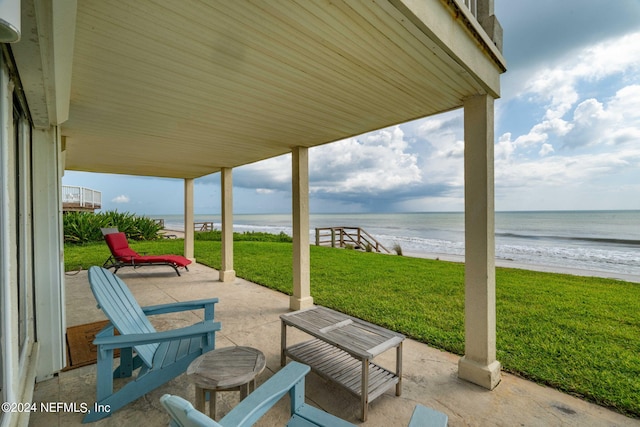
(578, 334)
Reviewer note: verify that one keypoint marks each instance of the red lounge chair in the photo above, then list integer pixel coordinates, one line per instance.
(123, 256)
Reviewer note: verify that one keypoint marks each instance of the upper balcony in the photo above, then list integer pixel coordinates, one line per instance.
(482, 12)
(80, 199)
(223, 84)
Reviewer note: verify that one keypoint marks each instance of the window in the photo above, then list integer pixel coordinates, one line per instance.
(23, 224)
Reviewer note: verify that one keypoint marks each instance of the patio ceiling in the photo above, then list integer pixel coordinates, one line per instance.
(164, 88)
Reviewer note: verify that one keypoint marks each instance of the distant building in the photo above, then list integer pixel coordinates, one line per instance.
(80, 199)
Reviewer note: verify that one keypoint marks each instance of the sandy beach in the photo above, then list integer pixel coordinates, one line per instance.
(534, 267)
(499, 263)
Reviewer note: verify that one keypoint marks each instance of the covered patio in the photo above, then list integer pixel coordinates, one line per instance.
(250, 317)
(115, 86)
(217, 85)
(119, 87)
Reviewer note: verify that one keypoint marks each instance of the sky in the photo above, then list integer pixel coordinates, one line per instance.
(567, 134)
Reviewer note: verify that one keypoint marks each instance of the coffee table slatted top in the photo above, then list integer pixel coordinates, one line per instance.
(226, 367)
(353, 335)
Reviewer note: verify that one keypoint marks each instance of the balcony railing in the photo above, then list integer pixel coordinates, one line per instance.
(479, 17)
(472, 5)
(80, 198)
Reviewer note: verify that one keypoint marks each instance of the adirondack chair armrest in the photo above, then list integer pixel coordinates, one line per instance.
(206, 304)
(107, 331)
(131, 340)
(264, 397)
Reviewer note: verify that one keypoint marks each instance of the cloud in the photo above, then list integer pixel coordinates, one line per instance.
(120, 199)
(546, 149)
(536, 140)
(442, 155)
(563, 170)
(264, 191)
(615, 122)
(266, 176)
(569, 119)
(584, 135)
(557, 86)
(374, 171)
(372, 164)
(545, 30)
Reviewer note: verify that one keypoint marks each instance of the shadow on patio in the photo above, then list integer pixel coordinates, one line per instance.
(249, 314)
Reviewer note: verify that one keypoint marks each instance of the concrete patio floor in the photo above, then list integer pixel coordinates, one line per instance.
(249, 314)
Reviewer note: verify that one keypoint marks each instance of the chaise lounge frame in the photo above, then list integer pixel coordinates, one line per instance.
(123, 256)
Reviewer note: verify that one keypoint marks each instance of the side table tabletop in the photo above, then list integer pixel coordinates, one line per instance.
(225, 369)
(342, 351)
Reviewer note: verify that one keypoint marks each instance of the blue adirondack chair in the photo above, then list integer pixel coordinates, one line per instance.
(427, 417)
(161, 356)
(289, 379)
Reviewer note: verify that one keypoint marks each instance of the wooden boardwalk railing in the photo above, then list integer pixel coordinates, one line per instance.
(197, 226)
(343, 236)
(203, 226)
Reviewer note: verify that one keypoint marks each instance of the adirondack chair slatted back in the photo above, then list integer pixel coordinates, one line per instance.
(121, 308)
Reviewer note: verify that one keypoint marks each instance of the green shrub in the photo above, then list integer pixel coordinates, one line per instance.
(84, 227)
(247, 236)
(397, 248)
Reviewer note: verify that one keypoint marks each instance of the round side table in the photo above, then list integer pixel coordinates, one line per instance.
(225, 369)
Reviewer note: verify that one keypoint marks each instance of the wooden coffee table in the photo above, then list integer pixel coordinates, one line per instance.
(342, 351)
(225, 369)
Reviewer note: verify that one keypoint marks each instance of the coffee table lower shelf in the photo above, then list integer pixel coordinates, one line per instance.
(338, 366)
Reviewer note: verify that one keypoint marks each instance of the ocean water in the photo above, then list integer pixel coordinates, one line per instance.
(607, 241)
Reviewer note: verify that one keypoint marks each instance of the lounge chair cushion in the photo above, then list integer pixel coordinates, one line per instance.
(178, 260)
(120, 250)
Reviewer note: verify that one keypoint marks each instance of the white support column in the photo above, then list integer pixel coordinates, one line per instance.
(301, 297)
(479, 364)
(48, 250)
(188, 219)
(227, 273)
